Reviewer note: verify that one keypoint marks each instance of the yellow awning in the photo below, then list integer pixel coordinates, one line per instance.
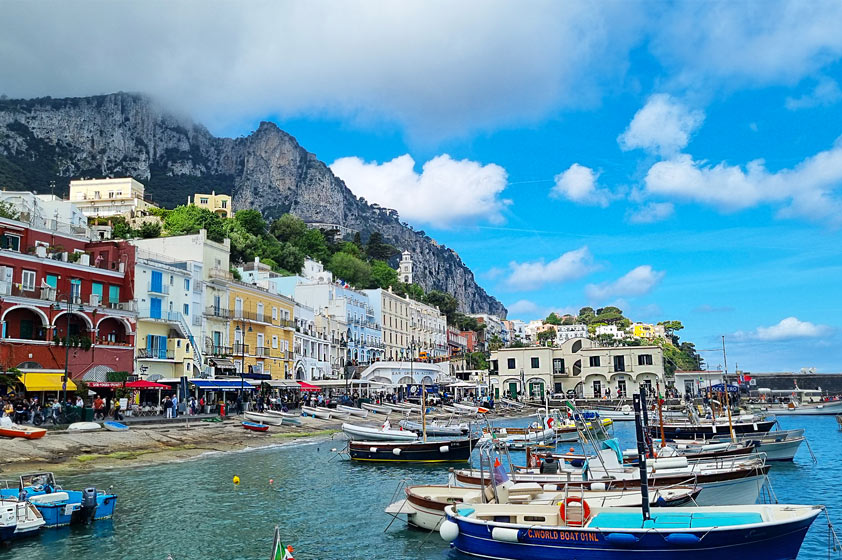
(46, 382)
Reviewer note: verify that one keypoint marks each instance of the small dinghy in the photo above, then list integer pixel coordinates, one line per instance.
(255, 427)
(384, 433)
(377, 408)
(8, 429)
(84, 427)
(316, 412)
(262, 418)
(288, 417)
(434, 429)
(353, 411)
(115, 426)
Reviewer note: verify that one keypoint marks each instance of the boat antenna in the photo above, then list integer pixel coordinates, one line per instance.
(424, 411)
(727, 399)
(639, 402)
(661, 412)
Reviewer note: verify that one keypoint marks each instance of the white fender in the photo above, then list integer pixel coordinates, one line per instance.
(449, 531)
(372, 449)
(504, 534)
(444, 449)
(396, 450)
(598, 486)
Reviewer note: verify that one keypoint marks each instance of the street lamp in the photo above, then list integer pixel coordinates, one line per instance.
(73, 282)
(242, 332)
(522, 382)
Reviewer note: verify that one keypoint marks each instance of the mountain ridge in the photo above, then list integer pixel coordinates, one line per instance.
(129, 134)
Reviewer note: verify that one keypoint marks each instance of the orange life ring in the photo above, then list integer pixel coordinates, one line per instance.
(586, 510)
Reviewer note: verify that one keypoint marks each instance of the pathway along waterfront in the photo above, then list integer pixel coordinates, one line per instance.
(328, 507)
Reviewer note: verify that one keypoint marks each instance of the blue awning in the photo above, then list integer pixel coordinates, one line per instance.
(221, 385)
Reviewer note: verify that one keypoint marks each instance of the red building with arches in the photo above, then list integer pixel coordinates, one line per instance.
(63, 295)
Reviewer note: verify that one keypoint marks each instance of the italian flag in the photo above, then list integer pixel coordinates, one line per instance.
(281, 552)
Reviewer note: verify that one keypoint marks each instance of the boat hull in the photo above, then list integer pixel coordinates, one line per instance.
(353, 411)
(24, 432)
(115, 426)
(254, 427)
(780, 541)
(271, 419)
(324, 414)
(432, 429)
(444, 451)
(67, 512)
(707, 431)
(377, 409)
(374, 434)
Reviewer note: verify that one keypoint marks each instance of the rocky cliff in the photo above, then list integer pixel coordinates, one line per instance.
(44, 140)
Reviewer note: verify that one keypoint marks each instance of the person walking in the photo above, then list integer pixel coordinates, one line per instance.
(168, 407)
(98, 407)
(175, 406)
(117, 415)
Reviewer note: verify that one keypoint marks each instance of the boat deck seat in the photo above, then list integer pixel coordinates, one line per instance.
(634, 520)
(465, 511)
(50, 498)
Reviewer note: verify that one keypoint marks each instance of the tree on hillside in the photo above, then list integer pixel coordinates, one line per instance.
(252, 221)
(586, 315)
(150, 230)
(378, 249)
(568, 320)
(288, 228)
(189, 219)
(670, 328)
(350, 269)
(382, 275)
(553, 319)
(446, 303)
(547, 337)
(350, 249)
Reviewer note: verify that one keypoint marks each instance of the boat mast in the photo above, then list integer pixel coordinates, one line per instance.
(661, 412)
(639, 403)
(727, 399)
(424, 411)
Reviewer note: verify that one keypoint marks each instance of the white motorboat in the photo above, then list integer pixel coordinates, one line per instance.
(316, 412)
(621, 414)
(806, 409)
(84, 427)
(384, 433)
(377, 408)
(353, 411)
(424, 505)
(263, 418)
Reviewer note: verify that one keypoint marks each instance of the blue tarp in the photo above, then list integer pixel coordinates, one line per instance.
(221, 385)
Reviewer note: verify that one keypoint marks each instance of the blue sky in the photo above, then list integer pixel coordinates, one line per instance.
(679, 160)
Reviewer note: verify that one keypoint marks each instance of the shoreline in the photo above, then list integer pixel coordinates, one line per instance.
(60, 451)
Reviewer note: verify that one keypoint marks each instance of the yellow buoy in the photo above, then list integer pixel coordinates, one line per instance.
(236, 479)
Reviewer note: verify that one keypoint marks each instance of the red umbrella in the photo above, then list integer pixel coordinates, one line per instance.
(146, 385)
(308, 387)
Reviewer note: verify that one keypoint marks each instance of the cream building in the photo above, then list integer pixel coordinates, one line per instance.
(577, 367)
(427, 329)
(392, 312)
(109, 197)
(219, 204)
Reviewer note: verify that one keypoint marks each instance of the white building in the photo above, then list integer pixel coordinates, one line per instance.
(428, 329)
(610, 330)
(208, 263)
(49, 212)
(109, 197)
(405, 268)
(393, 314)
(569, 332)
(311, 347)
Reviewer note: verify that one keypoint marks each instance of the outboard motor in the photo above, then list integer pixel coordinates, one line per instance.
(88, 506)
(549, 466)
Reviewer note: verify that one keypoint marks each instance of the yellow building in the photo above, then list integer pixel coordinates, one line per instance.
(217, 203)
(262, 327)
(109, 197)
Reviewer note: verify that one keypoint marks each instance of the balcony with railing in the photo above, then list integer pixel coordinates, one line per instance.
(262, 352)
(240, 349)
(155, 288)
(155, 354)
(218, 351)
(217, 311)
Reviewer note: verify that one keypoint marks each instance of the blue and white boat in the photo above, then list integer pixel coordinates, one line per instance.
(530, 532)
(18, 519)
(112, 426)
(61, 507)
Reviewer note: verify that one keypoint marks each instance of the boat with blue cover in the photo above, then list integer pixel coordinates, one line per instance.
(61, 507)
(530, 532)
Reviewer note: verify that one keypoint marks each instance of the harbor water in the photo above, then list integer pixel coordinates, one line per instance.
(329, 507)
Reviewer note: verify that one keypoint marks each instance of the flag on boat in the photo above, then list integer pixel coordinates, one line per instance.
(279, 551)
(500, 475)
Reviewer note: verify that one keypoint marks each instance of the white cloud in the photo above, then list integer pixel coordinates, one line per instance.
(534, 275)
(663, 126)
(786, 329)
(651, 213)
(436, 68)
(446, 193)
(705, 45)
(637, 282)
(826, 92)
(807, 190)
(524, 307)
(578, 184)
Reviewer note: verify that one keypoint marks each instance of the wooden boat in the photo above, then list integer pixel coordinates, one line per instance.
(316, 412)
(84, 427)
(263, 418)
(377, 408)
(440, 451)
(384, 433)
(114, 426)
(17, 431)
(424, 505)
(434, 429)
(289, 417)
(255, 427)
(352, 410)
(706, 430)
(576, 530)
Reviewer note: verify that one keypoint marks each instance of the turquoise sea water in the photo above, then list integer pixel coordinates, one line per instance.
(328, 507)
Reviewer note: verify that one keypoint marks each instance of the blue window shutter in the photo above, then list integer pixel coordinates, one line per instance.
(155, 308)
(162, 347)
(157, 281)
